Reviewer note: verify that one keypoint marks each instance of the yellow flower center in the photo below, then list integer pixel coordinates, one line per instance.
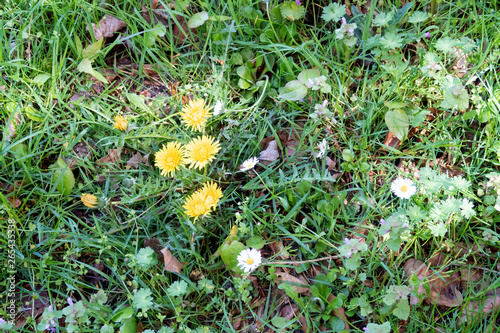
(199, 209)
(404, 188)
(249, 261)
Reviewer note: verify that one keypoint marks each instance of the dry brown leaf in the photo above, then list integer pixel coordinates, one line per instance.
(295, 282)
(160, 14)
(108, 25)
(79, 97)
(112, 157)
(443, 286)
(475, 309)
(391, 140)
(339, 313)
(14, 202)
(136, 159)
(172, 264)
(271, 154)
(196, 275)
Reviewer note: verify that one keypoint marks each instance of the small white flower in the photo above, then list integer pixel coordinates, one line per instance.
(218, 108)
(323, 147)
(249, 259)
(249, 164)
(403, 188)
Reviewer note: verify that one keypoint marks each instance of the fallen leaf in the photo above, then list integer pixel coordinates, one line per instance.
(295, 282)
(159, 13)
(172, 264)
(196, 275)
(443, 285)
(79, 97)
(475, 309)
(14, 202)
(107, 26)
(391, 140)
(112, 157)
(136, 159)
(269, 155)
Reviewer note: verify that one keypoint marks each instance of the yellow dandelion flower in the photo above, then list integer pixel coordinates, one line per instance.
(212, 193)
(170, 158)
(120, 123)
(89, 200)
(196, 205)
(201, 151)
(195, 114)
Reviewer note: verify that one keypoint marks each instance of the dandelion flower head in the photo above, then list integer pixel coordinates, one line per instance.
(120, 123)
(89, 200)
(195, 114)
(170, 158)
(212, 193)
(201, 151)
(196, 205)
(403, 188)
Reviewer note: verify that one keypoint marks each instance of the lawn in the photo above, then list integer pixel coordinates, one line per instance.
(236, 166)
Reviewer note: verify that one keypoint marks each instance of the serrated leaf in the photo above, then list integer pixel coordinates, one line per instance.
(375, 328)
(456, 96)
(142, 299)
(291, 10)
(197, 19)
(398, 123)
(446, 44)
(293, 91)
(418, 17)
(382, 19)
(146, 258)
(229, 253)
(307, 74)
(91, 51)
(391, 41)
(178, 288)
(333, 12)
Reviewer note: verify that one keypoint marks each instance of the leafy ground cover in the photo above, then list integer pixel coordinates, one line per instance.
(235, 166)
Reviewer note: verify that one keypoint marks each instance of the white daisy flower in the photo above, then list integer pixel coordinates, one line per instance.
(403, 188)
(218, 108)
(323, 147)
(249, 259)
(249, 164)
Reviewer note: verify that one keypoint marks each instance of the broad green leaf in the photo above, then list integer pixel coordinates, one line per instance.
(40, 79)
(394, 244)
(85, 66)
(395, 104)
(347, 156)
(398, 123)
(375, 328)
(417, 17)
(257, 242)
(197, 19)
(33, 114)
(129, 326)
(63, 177)
(143, 300)
(159, 30)
(279, 322)
(219, 18)
(138, 101)
(245, 73)
(293, 91)
(99, 76)
(123, 314)
(243, 84)
(402, 310)
(229, 253)
(291, 10)
(91, 51)
(307, 74)
(456, 96)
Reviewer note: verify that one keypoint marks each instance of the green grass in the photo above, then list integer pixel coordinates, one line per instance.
(299, 213)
